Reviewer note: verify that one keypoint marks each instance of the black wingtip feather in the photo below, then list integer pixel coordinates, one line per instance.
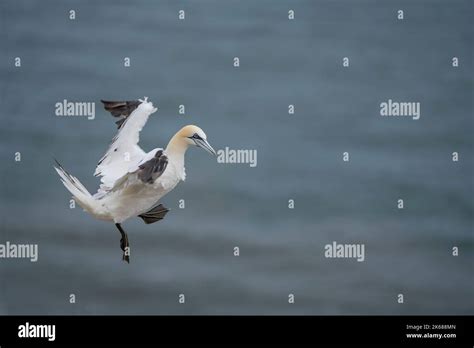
(57, 163)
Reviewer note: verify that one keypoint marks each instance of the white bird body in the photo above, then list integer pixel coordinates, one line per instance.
(132, 180)
(130, 197)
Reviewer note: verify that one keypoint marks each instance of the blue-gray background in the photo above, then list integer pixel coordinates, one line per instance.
(299, 156)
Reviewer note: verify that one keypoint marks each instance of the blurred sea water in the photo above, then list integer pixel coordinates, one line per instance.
(282, 62)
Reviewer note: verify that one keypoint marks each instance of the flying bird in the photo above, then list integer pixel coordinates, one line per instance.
(132, 180)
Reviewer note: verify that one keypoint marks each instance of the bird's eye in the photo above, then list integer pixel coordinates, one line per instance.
(195, 136)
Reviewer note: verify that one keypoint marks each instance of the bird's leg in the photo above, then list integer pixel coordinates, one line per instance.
(124, 245)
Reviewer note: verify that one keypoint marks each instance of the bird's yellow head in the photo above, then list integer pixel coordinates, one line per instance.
(193, 135)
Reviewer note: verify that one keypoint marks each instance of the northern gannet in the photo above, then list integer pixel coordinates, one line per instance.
(132, 180)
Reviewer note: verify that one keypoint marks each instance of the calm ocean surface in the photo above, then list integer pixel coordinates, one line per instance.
(282, 62)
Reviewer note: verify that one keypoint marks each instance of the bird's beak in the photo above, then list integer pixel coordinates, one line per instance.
(205, 145)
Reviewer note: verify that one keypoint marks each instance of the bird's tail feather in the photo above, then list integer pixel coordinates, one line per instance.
(80, 193)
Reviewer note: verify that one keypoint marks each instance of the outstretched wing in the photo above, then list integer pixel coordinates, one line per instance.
(124, 152)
